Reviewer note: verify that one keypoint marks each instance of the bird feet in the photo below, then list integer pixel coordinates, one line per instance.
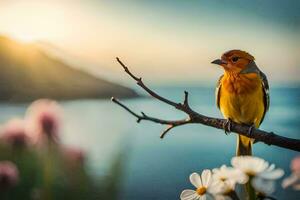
(250, 130)
(227, 126)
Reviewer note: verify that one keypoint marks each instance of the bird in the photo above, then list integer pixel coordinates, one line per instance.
(242, 95)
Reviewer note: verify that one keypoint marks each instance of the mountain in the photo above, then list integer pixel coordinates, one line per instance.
(97, 68)
(28, 73)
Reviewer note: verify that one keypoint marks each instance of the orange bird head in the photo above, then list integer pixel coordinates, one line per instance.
(235, 61)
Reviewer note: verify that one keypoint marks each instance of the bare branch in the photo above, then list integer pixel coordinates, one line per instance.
(145, 117)
(186, 98)
(142, 85)
(166, 131)
(194, 117)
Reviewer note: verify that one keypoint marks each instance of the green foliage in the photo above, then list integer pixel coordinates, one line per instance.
(48, 172)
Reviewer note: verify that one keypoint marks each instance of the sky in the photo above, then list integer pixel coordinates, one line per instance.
(170, 41)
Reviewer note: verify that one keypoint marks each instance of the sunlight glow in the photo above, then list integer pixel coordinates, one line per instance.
(27, 38)
(98, 31)
(33, 20)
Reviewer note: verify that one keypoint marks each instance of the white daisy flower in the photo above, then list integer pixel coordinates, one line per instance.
(222, 190)
(250, 165)
(203, 186)
(260, 172)
(228, 173)
(227, 177)
(256, 167)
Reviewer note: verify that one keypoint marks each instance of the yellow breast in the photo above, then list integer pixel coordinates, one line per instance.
(241, 98)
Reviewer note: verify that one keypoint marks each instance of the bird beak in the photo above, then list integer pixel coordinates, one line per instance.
(218, 62)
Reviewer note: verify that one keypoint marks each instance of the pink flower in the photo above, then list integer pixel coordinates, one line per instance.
(295, 165)
(44, 118)
(9, 175)
(294, 179)
(14, 133)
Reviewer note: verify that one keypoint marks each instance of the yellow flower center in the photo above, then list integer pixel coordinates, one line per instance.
(223, 179)
(201, 190)
(250, 173)
(228, 192)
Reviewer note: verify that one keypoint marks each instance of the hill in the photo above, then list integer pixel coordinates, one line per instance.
(27, 73)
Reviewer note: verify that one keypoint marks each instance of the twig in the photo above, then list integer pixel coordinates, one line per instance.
(170, 123)
(194, 117)
(140, 83)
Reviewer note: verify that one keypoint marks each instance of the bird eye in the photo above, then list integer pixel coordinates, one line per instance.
(234, 59)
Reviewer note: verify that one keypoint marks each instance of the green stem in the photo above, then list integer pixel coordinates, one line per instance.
(251, 191)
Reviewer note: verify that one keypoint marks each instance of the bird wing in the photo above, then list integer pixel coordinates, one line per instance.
(252, 68)
(265, 86)
(218, 91)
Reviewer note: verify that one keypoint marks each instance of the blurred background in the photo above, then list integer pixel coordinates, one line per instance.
(65, 50)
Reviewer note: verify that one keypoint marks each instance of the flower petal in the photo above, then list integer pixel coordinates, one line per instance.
(196, 180)
(272, 175)
(209, 197)
(203, 197)
(249, 163)
(221, 187)
(263, 186)
(240, 177)
(271, 167)
(206, 177)
(229, 173)
(188, 195)
(221, 197)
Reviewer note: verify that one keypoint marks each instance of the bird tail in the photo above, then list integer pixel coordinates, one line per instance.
(244, 146)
